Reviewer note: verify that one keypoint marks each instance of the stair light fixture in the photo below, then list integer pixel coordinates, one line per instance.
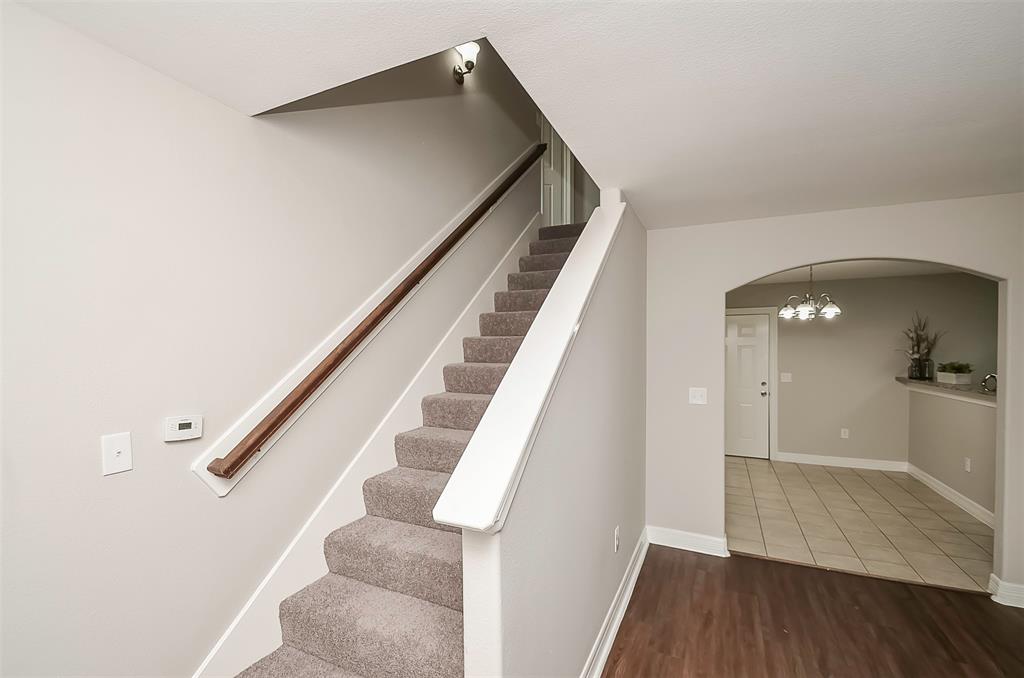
(807, 308)
(467, 53)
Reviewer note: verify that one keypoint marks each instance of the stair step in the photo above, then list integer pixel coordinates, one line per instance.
(553, 245)
(417, 561)
(542, 262)
(454, 410)
(431, 449)
(473, 377)
(287, 661)
(534, 280)
(506, 323)
(407, 495)
(490, 349)
(519, 300)
(561, 231)
(372, 631)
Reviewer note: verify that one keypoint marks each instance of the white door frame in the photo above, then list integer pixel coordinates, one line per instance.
(560, 159)
(773, 369)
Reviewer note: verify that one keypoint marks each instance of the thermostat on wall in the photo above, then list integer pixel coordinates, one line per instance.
(182, 428)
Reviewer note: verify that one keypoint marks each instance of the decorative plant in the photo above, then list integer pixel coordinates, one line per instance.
(955, 367)
(922, 343)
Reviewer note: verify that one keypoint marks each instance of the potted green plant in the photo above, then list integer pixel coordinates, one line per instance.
(954, 373)
(922, 343)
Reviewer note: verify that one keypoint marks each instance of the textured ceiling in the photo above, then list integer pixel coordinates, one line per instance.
(700, 112)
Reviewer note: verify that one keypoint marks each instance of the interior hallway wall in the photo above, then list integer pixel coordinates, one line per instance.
(691, 269)
(163, 255)
(843, 368)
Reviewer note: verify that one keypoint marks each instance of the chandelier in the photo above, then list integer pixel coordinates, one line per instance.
(807, 308)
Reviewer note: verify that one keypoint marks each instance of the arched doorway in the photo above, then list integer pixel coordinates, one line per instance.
(833, 457)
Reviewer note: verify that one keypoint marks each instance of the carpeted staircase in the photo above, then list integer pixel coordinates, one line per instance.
(391, 605)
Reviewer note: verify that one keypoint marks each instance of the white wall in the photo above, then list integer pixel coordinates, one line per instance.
(164, 254)
(585, 476)
(843, 369)
(691, 269)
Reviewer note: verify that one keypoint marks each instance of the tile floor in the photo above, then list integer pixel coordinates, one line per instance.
(878, 522)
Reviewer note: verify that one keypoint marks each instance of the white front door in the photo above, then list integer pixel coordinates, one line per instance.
(556, 177)
(746, 385)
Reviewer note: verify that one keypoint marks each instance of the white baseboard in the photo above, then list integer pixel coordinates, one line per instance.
(688, 541)
(1005, 593)
(844, 462)
(961, 500)
(255, 630)
(610, 628)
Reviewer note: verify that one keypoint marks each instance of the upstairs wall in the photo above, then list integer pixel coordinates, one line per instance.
(165, 254)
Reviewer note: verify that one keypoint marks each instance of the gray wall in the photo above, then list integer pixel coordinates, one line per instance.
(164, 254)
(843, 369)
(586, 194)
(944, 431)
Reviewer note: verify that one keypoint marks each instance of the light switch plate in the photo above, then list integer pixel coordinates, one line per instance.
(117, 452)
(698, 395)
(786, 377)
(844, 433)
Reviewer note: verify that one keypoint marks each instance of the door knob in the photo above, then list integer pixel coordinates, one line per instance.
(764, 394)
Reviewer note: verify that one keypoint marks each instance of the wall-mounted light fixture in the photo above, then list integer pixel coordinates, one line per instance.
(468, 54)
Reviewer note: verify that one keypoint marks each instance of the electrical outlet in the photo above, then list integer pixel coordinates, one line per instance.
(698, 395)
(786, 377)
(967, 464)
(844, 433)
(616, 539)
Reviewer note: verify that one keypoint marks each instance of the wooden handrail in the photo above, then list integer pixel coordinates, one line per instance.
(228, 465)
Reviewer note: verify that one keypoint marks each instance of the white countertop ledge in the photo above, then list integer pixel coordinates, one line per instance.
(967, 394)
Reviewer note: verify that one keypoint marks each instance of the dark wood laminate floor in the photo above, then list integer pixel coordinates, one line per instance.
(696, 615)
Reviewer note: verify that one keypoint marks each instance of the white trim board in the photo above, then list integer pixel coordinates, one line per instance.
(961, 500)
(688, 541)
(843, 462)
(594, 665)
(1004, 592)
(302, 559)
(238, 430)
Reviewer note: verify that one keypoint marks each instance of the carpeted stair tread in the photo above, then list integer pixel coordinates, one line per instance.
(454, 410)
(410, 559)
(407, 495)
(473, 377)
(519, 300)
(490, 349)
(431, 449)
(506, 323)
(542, 262)
(533, 280)
(552, 246)
(287, 661)
(373, 631)
(561, 231)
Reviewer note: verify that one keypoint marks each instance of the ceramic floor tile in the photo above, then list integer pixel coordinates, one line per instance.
(891, 570)
(915, 544)
(776, 514)
(777, 528)
(947, 537)
(740, 510)
(746, 546)
(739, 492)
(975, 568)
(866, 538)
(792, 554)
(733, 520)
(964, 551)
(778, 504)
(956, 579)
(839, 547)
(982, 541)
(814, 517)
(751, 533)
(901, 531)
(974, 527)
(882, 554)
(930, 561)
(838, 562)
(788, 540)
(822, 531)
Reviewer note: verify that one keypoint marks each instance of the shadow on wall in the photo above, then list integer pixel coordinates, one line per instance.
(424, 78)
